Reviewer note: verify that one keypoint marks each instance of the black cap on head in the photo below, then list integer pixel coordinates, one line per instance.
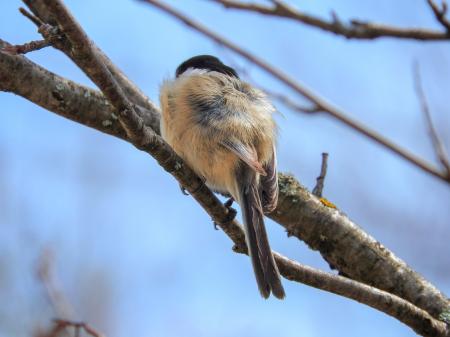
(206, 62)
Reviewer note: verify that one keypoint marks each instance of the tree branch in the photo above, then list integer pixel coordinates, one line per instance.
(133, 93)
(62, 96)
(440, 13)
(318, 102)
(438, 145)
(26, 47)
(318, 189)
(63, 324)
(45, 272)
(346, 247)
(355, 29)
(421, 323)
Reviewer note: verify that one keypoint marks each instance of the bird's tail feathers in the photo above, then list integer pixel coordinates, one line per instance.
(264, 266)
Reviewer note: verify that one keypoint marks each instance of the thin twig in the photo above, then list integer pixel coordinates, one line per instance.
(290, 103)
(56, 297)
(318, 189)
(26, 47)
(355, 29)
(277, 96)
(62, 324)
(416, 318)
(38, 22)
(303, 91)
(440, 13)
(438, 145)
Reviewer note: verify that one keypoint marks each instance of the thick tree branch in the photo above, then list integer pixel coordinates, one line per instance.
(318, 103)
(391, 305)
(355, 29)
(346, 247)
(133, 93)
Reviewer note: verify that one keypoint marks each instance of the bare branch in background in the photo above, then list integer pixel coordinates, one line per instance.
(62, 325)
(440, 13)
(61, 306)
(289, 103)
(53, 289)
(355, 29)
(306, 93)
(439, 147)
(318, 189)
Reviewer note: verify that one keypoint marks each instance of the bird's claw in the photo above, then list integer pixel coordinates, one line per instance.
(183, 190)
(231, 214)
(229, 203)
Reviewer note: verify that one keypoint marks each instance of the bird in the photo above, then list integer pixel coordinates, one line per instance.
(223, 128)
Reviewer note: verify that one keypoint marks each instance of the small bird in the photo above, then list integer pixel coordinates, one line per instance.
(223, 128)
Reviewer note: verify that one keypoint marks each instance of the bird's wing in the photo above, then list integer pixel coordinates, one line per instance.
(269, 184)
(246, 153)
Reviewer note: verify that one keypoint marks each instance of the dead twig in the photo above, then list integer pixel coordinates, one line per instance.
(439, 147)
(440, 13)
(318, 189)
(56, 297)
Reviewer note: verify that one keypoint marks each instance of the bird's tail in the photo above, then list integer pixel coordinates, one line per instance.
(264, 266)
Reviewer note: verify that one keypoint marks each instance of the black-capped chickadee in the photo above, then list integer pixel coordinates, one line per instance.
(223, 128)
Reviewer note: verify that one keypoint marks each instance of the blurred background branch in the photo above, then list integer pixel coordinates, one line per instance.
(355, 29)
(439, 147)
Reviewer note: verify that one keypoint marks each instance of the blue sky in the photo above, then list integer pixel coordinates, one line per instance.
(136, 257)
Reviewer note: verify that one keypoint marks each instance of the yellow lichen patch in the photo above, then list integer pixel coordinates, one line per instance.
(327, 203)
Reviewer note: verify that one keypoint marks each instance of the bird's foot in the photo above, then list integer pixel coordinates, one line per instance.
(183, 190)
(231, 214)
(229, 203)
